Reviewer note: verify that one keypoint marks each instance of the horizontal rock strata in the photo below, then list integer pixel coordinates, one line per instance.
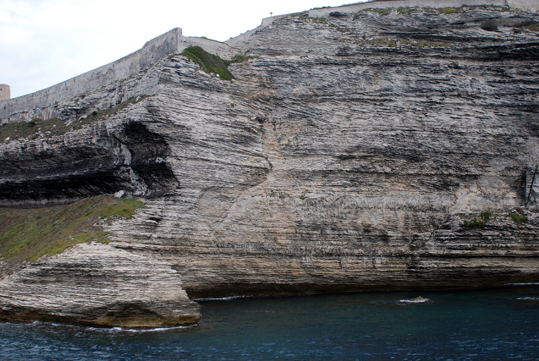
(357, 151)
(98, 285)
(338, 160)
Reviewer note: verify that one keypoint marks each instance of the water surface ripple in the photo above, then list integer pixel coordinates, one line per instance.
(500, 324)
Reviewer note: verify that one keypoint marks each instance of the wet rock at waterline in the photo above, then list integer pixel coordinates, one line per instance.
(95, 284)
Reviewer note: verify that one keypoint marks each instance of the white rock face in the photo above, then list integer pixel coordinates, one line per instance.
(96, 284)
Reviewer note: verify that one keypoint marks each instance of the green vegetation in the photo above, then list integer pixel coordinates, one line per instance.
(315, 19)
(240, 58)
(28, 234)
(77, 98)
(319, 20)
(26, 129)
(210, 63)
(280, 195)
(55, 126)
(485, 216)
(432, 44)
(477, 222)
(427, 9)
(384, 42)
(518, 218)
(530, 27)
(403, 10)
(98, 115)
(382, 12)
(466, 8)
(450, 10)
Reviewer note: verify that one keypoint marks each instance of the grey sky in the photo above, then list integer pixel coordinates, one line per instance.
(44, 42)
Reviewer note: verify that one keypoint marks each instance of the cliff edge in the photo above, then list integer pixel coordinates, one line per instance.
(378, 149)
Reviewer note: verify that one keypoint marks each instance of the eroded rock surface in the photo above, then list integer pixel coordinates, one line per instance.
(353, 153)
(338, 160)
(95, 284)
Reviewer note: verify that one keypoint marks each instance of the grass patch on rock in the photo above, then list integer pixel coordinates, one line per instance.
(385, 11)
(450, 10)
(308, 19)
(404, 10)
(240, 58)
(477, 222)
(381, 12)
(25, 129)
(518, 218)
(208, 62)
(532, 27)
(39, 128)
(98, 115)
(319, 20)
(28, 234)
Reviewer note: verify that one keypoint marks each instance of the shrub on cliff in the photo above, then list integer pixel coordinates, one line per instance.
(478, 222)
(518, 218)
(210, 63)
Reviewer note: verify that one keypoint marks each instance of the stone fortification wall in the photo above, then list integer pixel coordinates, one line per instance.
(5, 92)
(174, 42)
(154, 50)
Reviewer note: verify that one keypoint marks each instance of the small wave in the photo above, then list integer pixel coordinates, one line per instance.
(528, 298)
(523, 284)
(221, 298)
(415, 300)
(111, 329)
(157, 329)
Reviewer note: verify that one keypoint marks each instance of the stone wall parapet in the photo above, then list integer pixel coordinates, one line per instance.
(171, 42)
(174, 42)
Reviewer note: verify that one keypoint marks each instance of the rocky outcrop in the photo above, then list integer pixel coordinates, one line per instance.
(85, 163)
(338, 160)
(354, 152)
(95, 284)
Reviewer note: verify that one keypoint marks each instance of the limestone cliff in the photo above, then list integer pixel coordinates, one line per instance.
(380, 149)
(93, 284)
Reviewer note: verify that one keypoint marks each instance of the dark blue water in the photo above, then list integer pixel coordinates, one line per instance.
(500, 324)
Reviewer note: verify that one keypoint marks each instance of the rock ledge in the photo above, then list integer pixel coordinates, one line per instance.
(98, 285)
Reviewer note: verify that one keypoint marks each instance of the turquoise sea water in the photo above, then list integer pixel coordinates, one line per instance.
(501, 324)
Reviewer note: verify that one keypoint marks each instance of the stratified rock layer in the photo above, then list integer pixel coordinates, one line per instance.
(95, 284)
(341, 158)
(355, 152)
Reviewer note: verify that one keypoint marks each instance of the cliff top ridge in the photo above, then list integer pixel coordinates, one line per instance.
(174, 42)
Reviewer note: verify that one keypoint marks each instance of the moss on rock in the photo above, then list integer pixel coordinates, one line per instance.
(28, 234)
